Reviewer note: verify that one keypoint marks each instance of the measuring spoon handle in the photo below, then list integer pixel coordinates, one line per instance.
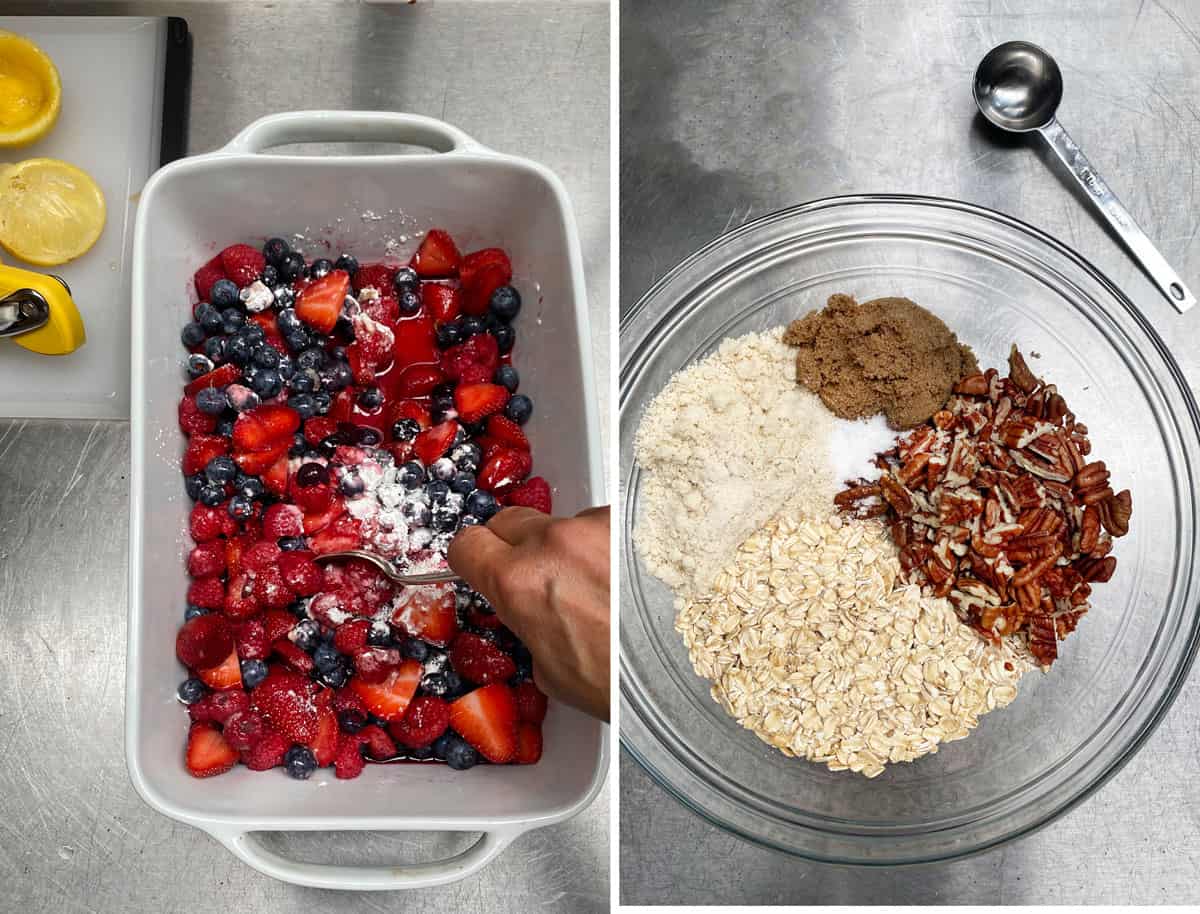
(1142, 248)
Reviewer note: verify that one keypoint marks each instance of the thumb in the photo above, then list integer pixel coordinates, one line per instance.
(478, 556)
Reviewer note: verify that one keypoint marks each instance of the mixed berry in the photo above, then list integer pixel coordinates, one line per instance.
(333, 406)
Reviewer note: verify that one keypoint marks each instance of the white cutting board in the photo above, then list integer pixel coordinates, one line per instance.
(110, 126)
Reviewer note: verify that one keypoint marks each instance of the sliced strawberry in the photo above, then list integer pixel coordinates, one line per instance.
(506, 467)
(320, 304)
(193, 421)
(529, 743)
(243, 730)
(208, 753)
(261, 463)
(275, 477)
(315, 521)
(288, 702)
(242, 263)
(222, 376)
(506, 432)
(301, 573)
(362, 370)
(482, 273)
(377, 743)
(208, 593)
(277, 623)
(265, 428)
(207, 276)
(282, 520)
(226, 675)
(250, 640)
(352, 637)
(434, 442)
(425, 720)
(203, 642)
(479, 660)
(270, 590)
(487, 719)
(205, 560)
(427, 613)
(200, 450)
(531, 703)
(416, 342)
(267, 753)
(441, 302)
(376, 276)
(344, 533)
(534, 493)
(293, 656)
(419, 380)
(481, 349)
(241, 601)
(375, 664)
(348, 763)
(235, 548)
(476, 401)
(343, 405)
(437, 256)
(390, 698)
(324, 743)
(218, 707)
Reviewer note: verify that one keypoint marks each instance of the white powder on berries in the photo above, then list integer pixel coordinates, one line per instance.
(728, 443)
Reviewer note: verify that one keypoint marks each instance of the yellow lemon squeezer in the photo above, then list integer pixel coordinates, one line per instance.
(38, 313)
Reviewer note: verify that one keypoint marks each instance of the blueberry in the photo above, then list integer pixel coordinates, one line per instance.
(297, 340)
(299, 445)
(442, 744)
(306, 635)
(406, 429)
(417, 514)
(411, 475)
(253, 672)
(470, 520)
(368, 437)
(519, 409)
(460, 755)
(420, 753)
(415, 649)
(269, 275)
(443, 468)
(312, 474)
(208, 317)
(303, 404)
(335, 677)
(371, 398)
(225, 427)
(440, 407)
(199, 364)
(445, 519)
(505, 303)
(267, 383)
(191, 691)
(467, 457)
(320, 267)
(287, 368)
(290, 266)
(255, 334)
(192, 335)
(454, 682)
(212, 400)
(303, 383)
(435, 684)
(285, 296)
(326, 657)
(266, 357)
(438, 490)
(346, 262)
(463, 483)
(310, 359)
(193, 611)
(239, 350)
(470, 325)
(221, 470)
(192, 484)
(275, 250)
(505, 337)
(324, 401)
(299, 762)
(380, 634)
(215, 348)
(252, 487)
(351, 720)
(232, 321)
(406, 279)
(288, 321)
(338, 376)
(224, 294)
(291, 543)
(523, 659)
(482, 504)
(447, 335)
(409, 302)
(507, 377)
(491, 322)
(241, 507)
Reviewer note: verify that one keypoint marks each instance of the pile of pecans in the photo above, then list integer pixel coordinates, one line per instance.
(995, 506)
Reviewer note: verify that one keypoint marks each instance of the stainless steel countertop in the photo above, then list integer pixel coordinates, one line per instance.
(525, 77)
(733, 110)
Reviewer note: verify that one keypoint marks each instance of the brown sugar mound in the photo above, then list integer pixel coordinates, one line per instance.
(887, 355)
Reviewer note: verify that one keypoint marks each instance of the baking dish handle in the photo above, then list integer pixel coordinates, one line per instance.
(250, 849)
(351, 126)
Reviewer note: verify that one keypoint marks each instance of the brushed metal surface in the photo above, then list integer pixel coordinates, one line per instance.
(731, 111)
(529, 78)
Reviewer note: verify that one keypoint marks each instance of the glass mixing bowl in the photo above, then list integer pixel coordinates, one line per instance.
(993, 280)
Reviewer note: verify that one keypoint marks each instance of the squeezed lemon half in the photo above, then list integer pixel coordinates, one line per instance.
(30, 91)
(50, 211)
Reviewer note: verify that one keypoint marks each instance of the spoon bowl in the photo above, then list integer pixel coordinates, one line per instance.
(389, 570)
(1018, 86)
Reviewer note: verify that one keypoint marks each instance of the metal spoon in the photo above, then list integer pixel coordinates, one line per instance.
(1018, 87)
(389, 570)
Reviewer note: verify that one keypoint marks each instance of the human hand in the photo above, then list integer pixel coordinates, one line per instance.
(547, 579)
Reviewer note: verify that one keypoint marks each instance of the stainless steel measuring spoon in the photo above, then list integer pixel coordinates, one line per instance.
(1018, 87)
(389, 570)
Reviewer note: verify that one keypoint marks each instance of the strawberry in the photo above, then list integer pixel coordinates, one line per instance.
(479, 660)
(270, 590)
(425, 720)
(265, 428)
(241, 602)
(206, 560)
(390, 698)
(315, 521)
(208, 593)
(207, 276)
(312, 499)
(203, 641)
(235, 548)
(207, 524)
(282, 520)
(194, 422)
(378, 744)
(275, 477)
(320, 304)
(267, 753)
(324, 744)
(475, 374)
(411, 409)
(293, 656)
(300, 573)
(277, 624)
(437, 256)
(261, 556)
(348, 763)
(344, 533)
(434, 442)
(243, 730)
(481, 349)
(242, 263)
(427, 613)
(225, 675)
(476, 401)
(375, 664)
(534, 493)
(442, 303)
(208, 753)
(482, 273)
(506, 432)
(250, 640)
(221, 376)
(419, 380)
(487, 719)
(529, 744)
(531, 703)
(200, 450)
(218, 707)
(288, 702)
(506, 467)
(352, 637)
(415, 343)
(343, 405)
(260, 463)
(318, 428)
(377, 276)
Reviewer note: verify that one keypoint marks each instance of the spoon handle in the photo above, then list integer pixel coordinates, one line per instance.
(1142, 248)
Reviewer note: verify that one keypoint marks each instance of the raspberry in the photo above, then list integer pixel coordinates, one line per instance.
(206, 560)
(348, 763)
(207, 592)
(267, 753)
(352, 637)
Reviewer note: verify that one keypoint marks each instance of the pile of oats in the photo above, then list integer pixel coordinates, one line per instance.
(813, 642)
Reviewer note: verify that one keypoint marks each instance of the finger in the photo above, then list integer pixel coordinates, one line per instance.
(516, 524)
(599, 512)
(478, 556)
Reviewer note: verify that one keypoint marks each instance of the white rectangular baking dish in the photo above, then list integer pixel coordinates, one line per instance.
(187, 211)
